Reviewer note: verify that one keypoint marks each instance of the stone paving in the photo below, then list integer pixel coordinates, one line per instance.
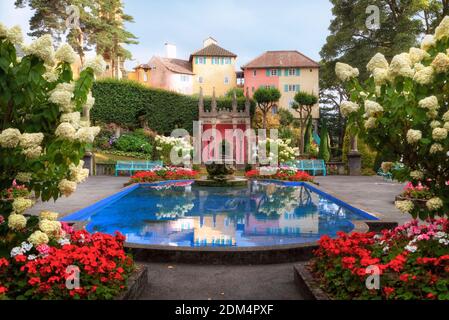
(270, 282)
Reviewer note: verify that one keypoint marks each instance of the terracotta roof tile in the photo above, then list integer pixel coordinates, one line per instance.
(177, 65)
(279, 59)
(213, 50)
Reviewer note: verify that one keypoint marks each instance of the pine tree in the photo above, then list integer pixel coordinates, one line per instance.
(324, 145)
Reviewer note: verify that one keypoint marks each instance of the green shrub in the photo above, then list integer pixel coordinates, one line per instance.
(134, 142)
(130, 104)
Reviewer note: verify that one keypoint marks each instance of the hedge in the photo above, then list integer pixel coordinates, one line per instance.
(128, 104)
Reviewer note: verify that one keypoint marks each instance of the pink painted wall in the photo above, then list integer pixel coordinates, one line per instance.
(260, 79)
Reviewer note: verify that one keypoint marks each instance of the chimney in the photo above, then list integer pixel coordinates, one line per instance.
(170, 51)
(209, 41)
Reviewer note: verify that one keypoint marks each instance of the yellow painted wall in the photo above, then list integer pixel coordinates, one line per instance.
(308, 82)
(214, 76)
(138, 75)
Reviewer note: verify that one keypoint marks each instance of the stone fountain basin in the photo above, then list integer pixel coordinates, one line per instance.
(236, 182)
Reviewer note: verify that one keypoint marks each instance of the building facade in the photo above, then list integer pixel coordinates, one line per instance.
(210, 68)
(213, 67)
(288, 71)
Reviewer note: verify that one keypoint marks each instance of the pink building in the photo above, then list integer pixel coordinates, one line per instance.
(288, 71)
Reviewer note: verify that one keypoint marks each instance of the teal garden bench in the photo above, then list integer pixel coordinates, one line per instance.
(310, 166)
(134, 166)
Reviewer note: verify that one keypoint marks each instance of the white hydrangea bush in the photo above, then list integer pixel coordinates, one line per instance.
(285, 151)
(166, 145)
(43, 130)
(402, 111)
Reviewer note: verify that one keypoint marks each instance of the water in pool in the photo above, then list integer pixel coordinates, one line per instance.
(181, 214)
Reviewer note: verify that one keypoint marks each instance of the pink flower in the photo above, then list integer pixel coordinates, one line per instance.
(43, 249)
(2, 219)
(68, 229)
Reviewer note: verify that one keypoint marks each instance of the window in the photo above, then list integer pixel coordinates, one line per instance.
(291, 72)
(226, 80)
(255, 73)
(274, 110)
(200, 80)
(184, 78)
(274, 72)
(200, 60)
(145, 77)
(228, 61)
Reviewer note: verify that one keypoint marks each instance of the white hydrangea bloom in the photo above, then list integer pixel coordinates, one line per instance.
(73, 118)
(436, 148)
(430, 103)
(434, 204)
(66, 131)
(404, 206)
(345, 72)
(441, 63)
(14, 35)
(435, 124)
(51, 76)
(51, 228)
(401, 65)
(90, 101)
(348, 107)
(372, 108)
(38, 238)
(98, 65)
(446, 116)
(417, 175)
(380, 76)
(33, 152)
(442, 31)
(413, 136)
(10, 138)
(65, 53)
(24, 177)
(377, 62)
(43, 49)
(417, 55)
(30, 140)
(48, 215)
(87, 134)
(439, 134)
(77, 173)
(17, 222)
(20, 205)
(428, 42)
(371, 123)
(62, 95)
(446, 125)
(67, 187)
(424, 76)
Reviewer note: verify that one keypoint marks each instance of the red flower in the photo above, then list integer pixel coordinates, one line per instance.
(20, 258)
(3, 290)
(4, 262)
(34, 281)
(388, 291)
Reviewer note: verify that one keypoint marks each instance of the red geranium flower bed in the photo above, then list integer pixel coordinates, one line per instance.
(51, 272)
(412, 262)
(163, 174)
(281, 174)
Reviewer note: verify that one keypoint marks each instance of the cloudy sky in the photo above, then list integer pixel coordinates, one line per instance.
(245, 27)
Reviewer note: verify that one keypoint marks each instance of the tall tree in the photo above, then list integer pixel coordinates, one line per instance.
(352, 42)
(101, 25)
(304, 102)
(266, 99)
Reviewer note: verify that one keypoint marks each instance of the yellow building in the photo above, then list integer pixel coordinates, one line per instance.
(141, 74)
(213, 67)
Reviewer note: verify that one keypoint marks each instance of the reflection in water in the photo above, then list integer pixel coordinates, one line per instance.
(179, 214)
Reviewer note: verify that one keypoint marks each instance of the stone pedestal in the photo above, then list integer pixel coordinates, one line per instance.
(355, 163)
(89, 162)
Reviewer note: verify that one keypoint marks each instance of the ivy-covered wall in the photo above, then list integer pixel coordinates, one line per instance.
(129, 104)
